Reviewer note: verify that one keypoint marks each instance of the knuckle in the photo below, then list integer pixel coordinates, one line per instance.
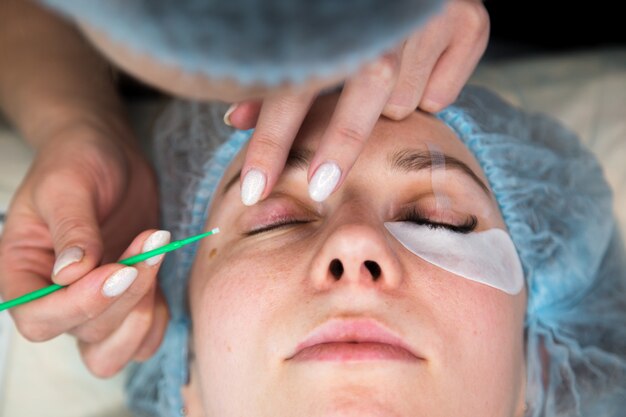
(34, 331)
(98, 365)
(384, 69)
(146, 352)
(413, 82)
(85, 312)
(91, 334)
(71, 224)
(351, 135)
(476, 19)
(58, 181)
(141, 320)
(268, 142)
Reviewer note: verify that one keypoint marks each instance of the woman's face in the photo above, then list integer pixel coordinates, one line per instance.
(315, 309)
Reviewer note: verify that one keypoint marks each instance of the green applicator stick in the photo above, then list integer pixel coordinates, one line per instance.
(128, 262)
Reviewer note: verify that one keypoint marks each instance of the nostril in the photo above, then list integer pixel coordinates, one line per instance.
(336, 268)
(374, 269)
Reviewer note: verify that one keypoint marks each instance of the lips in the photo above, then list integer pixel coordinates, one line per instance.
(353, 340)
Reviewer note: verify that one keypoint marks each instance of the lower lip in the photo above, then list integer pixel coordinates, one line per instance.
(351, 352)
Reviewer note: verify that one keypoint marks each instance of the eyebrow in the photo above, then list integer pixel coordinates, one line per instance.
(413, 160)
(298, 158)
(406, 160)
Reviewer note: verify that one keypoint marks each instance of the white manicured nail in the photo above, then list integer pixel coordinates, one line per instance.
(119, 282)
(66, 258)
(252, 187)
(156, 240)
(324, 181)
(230, 111)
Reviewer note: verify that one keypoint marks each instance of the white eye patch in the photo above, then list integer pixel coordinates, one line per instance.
(487, 257)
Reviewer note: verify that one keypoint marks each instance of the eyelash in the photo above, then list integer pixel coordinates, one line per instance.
(277, 225)
(412, 215)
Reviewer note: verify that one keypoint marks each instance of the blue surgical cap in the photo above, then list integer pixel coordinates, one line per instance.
(554, 201)
(255, 41)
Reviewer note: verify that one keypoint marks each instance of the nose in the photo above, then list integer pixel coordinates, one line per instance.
(356, 254)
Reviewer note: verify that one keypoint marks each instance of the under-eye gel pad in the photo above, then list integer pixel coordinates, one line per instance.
(487, 257)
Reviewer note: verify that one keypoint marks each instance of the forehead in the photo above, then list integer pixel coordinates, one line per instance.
(420, 131)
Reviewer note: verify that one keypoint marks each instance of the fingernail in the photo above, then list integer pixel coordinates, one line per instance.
(230, 111)
(156, 240)
(66, 258)
(324, 181)
(252, 187)
(119, 282)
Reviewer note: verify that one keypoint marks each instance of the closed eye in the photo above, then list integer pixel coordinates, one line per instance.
(413, 215)
(284, 223)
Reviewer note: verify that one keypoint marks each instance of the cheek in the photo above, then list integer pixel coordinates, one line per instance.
(233, 304)
(222, 299)
(234, 301)
(479, 318)
(481, 355)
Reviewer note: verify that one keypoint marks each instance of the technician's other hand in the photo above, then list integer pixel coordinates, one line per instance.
(83, 201)
(427, 71)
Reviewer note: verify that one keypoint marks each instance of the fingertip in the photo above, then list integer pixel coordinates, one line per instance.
(156, 240)
(324, 181)
(74, 262)
(433, 106)
(94, 358)
(253, 186)
(67, 257)
(396, 112)
(245, 115)
(228, 114)
(436, 99)
(117, 283)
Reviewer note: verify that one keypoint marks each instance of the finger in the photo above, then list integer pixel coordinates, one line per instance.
(106, 358)
(82, 301)
(26, 254)
(152, 340)
(278, 124)
(100, 327)
(419, 56)
(363, 98)
(243, 115)
(68, 208)
(457, 63)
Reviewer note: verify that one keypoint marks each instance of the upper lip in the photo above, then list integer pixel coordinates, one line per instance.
(353, 331)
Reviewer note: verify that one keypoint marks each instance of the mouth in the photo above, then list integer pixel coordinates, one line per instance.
(353, 341)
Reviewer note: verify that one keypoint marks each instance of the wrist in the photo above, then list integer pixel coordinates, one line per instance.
(95, 126)
(109, 136)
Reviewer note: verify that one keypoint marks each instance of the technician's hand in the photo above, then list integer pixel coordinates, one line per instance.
(83, 201)
(427, 71)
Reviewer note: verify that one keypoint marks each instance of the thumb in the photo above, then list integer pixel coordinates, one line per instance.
(71, 216)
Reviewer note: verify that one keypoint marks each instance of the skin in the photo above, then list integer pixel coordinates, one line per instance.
(427, 70)
(91, 189)
(255, 300)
